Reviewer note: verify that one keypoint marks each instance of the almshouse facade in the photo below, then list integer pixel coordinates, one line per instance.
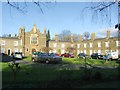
(25, 42)
(92, 45)
(34, 40)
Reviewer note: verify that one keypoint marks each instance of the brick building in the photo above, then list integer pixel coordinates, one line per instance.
(92, 45)
(34, 40)
(26, 42)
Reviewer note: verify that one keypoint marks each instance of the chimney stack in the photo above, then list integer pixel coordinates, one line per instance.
(81, 38)
(45, 31)
(56, 37)
(108, 34)
(72, 38)
(93, 36)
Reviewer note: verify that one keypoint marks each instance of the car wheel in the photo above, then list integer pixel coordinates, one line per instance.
(33, 60)
(47, 62)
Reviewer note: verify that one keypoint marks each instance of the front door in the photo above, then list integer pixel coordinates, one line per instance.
(33, 50)
(9, 52)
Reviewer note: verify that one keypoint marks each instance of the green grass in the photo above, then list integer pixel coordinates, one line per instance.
(89, 61)
(33, 74)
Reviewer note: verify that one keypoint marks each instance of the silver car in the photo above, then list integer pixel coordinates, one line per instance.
(47, 58)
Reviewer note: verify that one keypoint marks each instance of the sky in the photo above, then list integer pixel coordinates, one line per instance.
(57, 17)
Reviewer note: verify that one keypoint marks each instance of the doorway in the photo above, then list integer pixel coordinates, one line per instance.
(9, 52)
(33, 50)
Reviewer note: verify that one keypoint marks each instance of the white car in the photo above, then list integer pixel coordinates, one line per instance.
(111, 56)
(17, 55)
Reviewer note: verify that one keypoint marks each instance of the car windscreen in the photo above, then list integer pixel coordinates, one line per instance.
(18, 53)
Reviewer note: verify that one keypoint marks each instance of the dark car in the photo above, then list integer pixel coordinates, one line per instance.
(35, 54)
(17, 55)
(96, 56)
(82, 55)
(47, 58)
(68, 55)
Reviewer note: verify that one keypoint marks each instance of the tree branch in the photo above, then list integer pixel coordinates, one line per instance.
(16, 6)
(38, 4)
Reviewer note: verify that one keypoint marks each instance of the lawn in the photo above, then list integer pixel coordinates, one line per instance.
(69, 73)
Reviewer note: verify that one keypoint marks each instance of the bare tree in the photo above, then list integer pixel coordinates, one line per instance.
(65, 35)
(39, 3)
(100, 11)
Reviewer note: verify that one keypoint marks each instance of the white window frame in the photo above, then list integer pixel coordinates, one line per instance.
(63, 45)
(62, 51)
(78, 51)
(99, 51)
(55, 44)
(54, 51)
(91, 44)
(107, 44)
(35, 36)
(99, 44)
(15, 43)
(20, 50)
(2, 42)
(117, 43)
(90, 52)
(85, 45)
(2, 50)
(85, 51)
(78, 45)
(81, 51)
(21, 42)
(71, 45)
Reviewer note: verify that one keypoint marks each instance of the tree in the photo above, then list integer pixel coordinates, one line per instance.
(9, 35)
(86, 35)
(39, 3)
(46, 49)
(72, 49)
(15, 35)
(47, 38)
(76, 37)
(101, 12)
(59, 51)
(65, 35)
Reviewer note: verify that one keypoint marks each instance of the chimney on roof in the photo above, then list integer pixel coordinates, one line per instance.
(81, 38)
(108, 34)
(56, 37)
(93, 36)
(72, 38)
(44, 30)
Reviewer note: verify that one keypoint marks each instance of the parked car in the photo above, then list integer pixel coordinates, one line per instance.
(111, 56)
(68, 55)
(34, 54)
(47, 58)
(96, 56)
(5, 58)
(82, 55)
(17, 55)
